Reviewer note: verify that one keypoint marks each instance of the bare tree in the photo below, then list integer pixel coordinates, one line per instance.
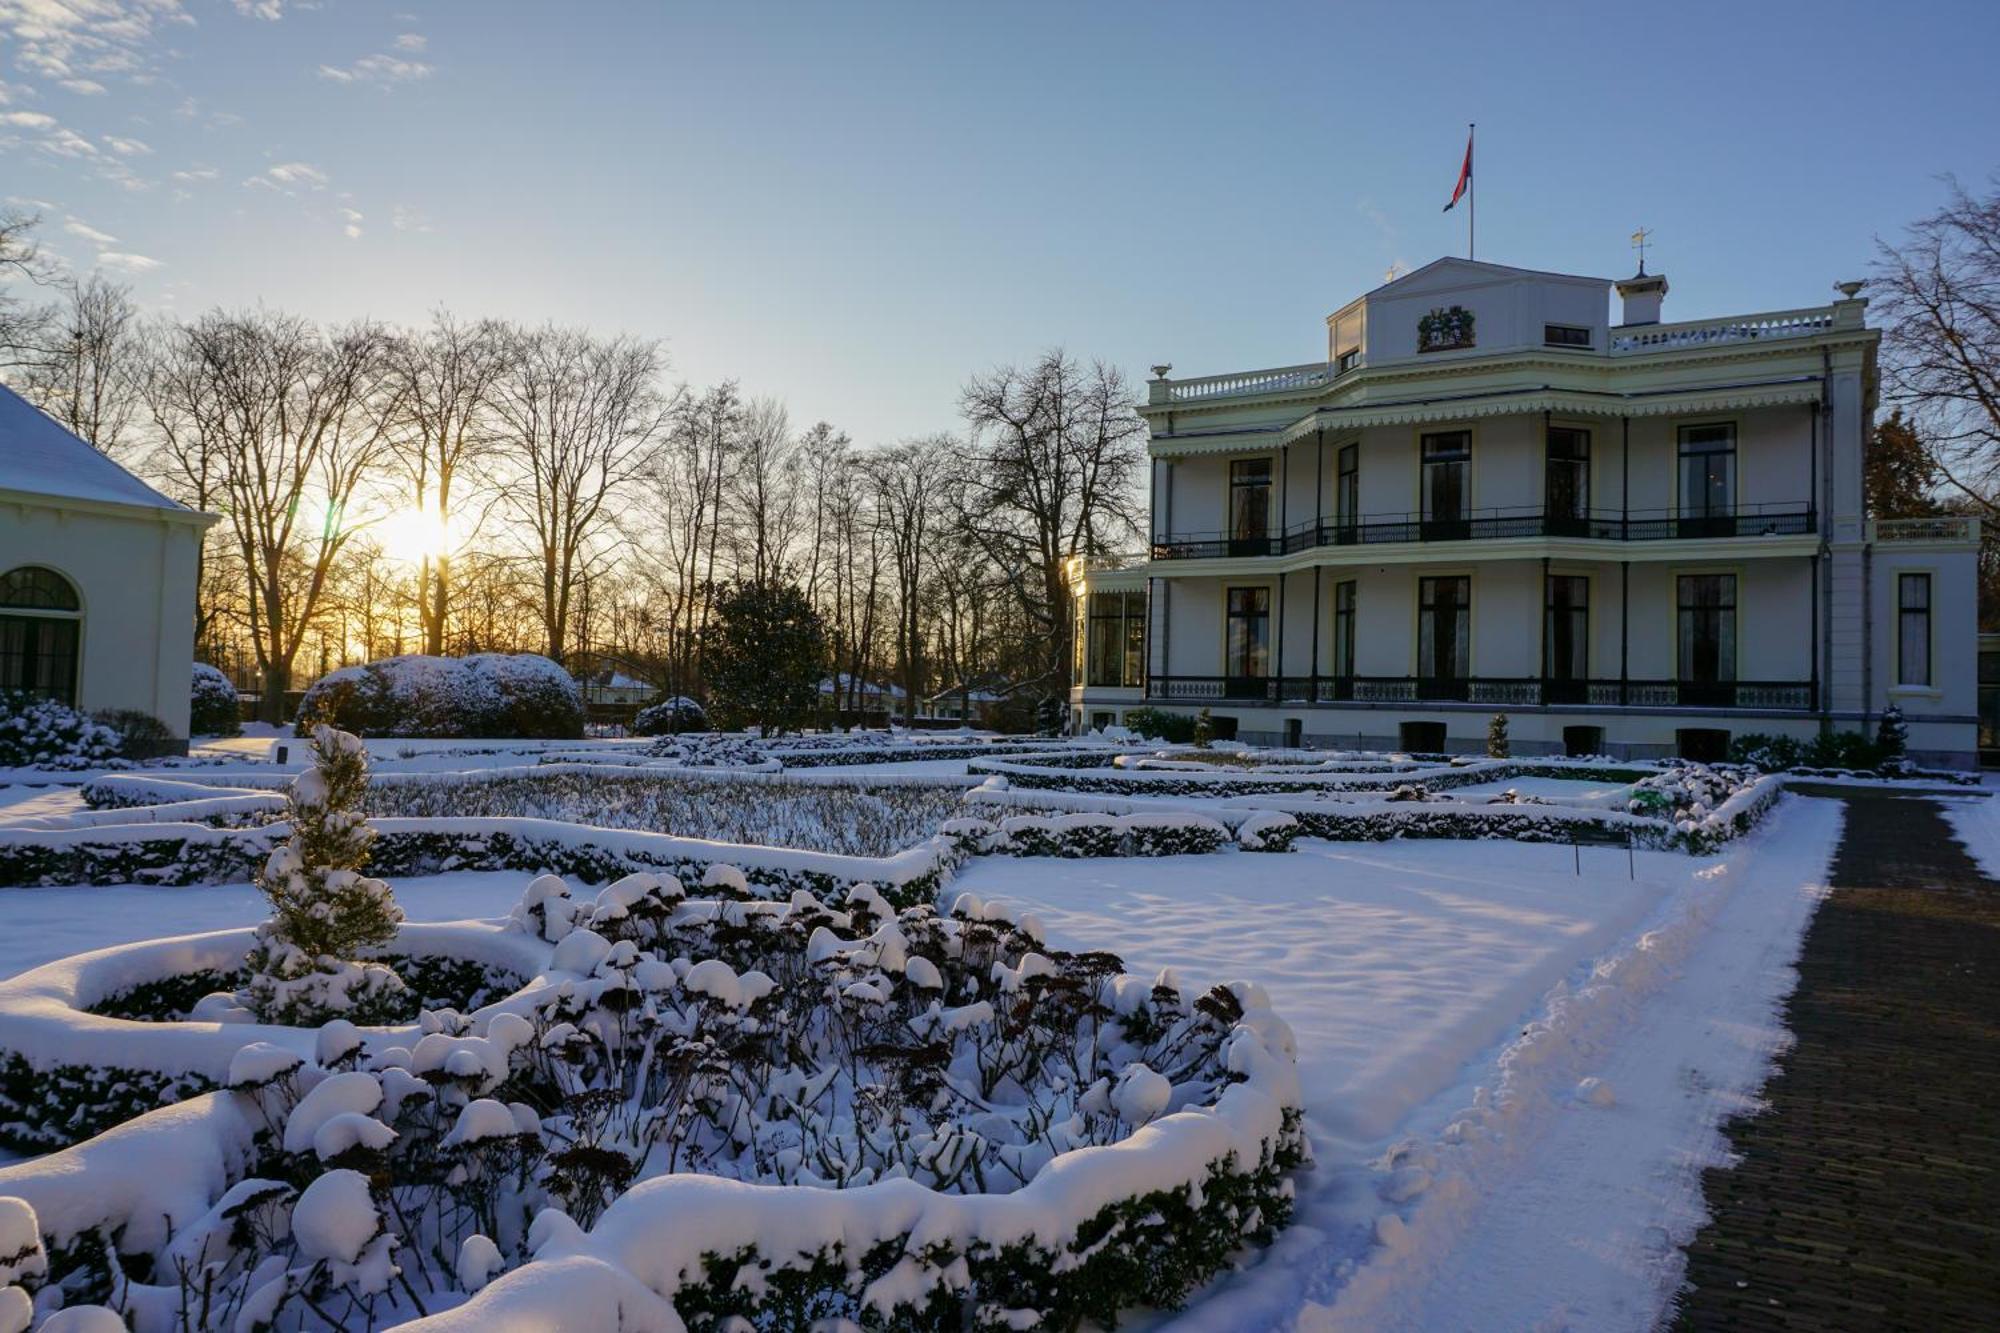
(1938, 297)
(89, 373)
(1057, 458)
(22, 327)
(580, 416)
(286, 415)
(688, 490)
(910, 481)
(441, 422)
(763, 492)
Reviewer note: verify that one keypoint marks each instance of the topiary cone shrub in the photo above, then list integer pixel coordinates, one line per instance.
(1892, 735)
(308, 964)
(1496, 737)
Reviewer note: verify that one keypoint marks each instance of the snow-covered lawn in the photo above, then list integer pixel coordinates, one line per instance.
(1393, 962)
(1976, 820)
(1409, 972)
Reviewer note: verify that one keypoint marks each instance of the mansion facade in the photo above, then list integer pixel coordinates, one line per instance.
(1635, 538)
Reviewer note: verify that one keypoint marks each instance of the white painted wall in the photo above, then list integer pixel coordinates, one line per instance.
(136, 578)
(1954, 688)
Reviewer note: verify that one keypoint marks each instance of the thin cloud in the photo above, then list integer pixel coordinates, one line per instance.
(127, 147)
(127, 263)
(100, 239)
(353, 228)
(411, 41)
(196, 175)
(404, 218)
(379, 68)
(289, 178)
(28, 120)
(85, 87)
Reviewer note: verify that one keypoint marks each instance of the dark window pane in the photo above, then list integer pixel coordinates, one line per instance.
(1913, 629)
(37, 589)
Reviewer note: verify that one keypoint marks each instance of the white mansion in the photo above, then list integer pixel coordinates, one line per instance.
(1634, 538)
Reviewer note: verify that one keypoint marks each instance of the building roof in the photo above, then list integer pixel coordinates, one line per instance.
(38, 456)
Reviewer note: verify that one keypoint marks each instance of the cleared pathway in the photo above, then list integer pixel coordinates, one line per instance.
(1868, 1195)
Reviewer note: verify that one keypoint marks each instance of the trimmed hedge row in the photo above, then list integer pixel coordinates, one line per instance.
(1216, 784)
(192, 855)
(1093, 835)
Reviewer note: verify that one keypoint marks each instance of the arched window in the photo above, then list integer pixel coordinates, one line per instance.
(40, 627)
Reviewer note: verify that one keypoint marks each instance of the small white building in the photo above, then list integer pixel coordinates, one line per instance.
(97, 575)
(1493, 494)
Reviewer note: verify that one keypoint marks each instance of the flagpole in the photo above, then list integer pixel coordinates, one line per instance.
(1471, 193)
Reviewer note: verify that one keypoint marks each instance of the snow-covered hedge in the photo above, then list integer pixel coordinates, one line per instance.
(196, 854)
(1230, 782)
(953, 1127)
(793, 757)
(212, 706)
(41, 733)
(91, 1041)
(1167, 833)
(1695, 832)
(486, 694)
(713, 750)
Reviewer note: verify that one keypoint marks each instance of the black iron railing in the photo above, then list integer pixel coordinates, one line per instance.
(1488, 691)
(1632, 525)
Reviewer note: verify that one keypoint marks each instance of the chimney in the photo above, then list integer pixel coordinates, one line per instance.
(1642, 294)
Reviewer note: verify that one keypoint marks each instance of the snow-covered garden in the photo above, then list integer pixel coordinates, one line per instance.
(937, 1029)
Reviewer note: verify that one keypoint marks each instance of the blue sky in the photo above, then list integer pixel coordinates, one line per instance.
(854, 206)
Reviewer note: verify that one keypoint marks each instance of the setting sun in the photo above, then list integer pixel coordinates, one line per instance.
(413, 535)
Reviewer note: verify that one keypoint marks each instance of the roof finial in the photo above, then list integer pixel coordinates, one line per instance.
(1640, 240)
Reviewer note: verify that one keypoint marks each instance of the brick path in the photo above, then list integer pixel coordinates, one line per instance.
(1869, 1194)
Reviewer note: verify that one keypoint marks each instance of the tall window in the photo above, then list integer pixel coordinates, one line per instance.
(1444, 628)
(1250, 502)
(1566, 629)
(1343, 629)
(1249, 642)
(1708, 480)
(1567, 496)
(1913, 629)
(1347, 490)
(1117, 639)
(40, 626)
(1447, 484)
(1707, 612)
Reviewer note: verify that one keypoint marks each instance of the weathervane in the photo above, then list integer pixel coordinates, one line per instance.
(1640, 240)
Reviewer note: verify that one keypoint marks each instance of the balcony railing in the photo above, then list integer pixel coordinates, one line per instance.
(1757, 520)
(1935, 528)
(1708, 332)
(1485, 691)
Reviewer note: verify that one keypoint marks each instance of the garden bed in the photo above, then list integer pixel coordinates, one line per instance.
(952, 1126)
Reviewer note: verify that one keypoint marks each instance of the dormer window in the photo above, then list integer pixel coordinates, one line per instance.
(1347, 361)
(1566, 335)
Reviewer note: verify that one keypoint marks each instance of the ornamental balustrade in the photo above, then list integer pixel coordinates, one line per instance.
(1629, 341)
(1711, 332)
(1931, 528)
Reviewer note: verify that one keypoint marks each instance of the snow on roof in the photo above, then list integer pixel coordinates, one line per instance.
(40, 457)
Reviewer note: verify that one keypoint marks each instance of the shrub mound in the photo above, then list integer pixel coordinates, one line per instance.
(41, 733)
(495, 695)
(670, 716)
(212, 707)
(907, 1083)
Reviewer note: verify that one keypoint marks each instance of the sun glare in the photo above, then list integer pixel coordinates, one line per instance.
(412, 535)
